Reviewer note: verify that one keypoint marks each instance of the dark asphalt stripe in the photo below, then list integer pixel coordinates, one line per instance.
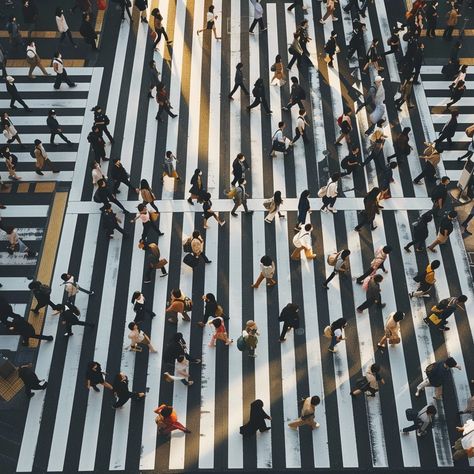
(52, 96)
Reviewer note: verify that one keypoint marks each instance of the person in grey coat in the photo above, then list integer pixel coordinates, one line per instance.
(240, 198)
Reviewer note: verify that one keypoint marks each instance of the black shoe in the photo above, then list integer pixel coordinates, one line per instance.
(95, 388)
(234, 214)
(50, 338)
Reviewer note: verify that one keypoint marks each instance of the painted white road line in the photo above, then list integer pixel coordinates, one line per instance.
(26, 233)
(14, 283)
(46, 87)
(72, 71)
(56, 103)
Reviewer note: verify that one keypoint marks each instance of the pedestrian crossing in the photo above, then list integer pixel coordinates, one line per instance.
(73, 114)
(69, 429)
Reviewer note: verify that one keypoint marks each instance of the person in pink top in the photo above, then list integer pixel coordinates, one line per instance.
(220, 332)
(147, 221)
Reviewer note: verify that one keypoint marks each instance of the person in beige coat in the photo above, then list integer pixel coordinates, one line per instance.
(138, 337)
(197, 246)
(42, 159)
(278, 72)
(267, 271)
(34, 61)
(307, 414)
(392, 330)
(273, 206)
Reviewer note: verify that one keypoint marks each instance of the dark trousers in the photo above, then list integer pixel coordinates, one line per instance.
(295, 58)
(105, 130)
(294, 4)
(25, 339)
(236, 86)
(428, 172)
(160, 32)
(401, 156)
(147, 226)
(443, 136)
(353, 47)
(368, 272)
(261, 25)
(126, 397)
(117, 185)
(365, 220)
(419, 244)
(260, 100)
(35, 386)
(284, 330)
(244, 203)
(293, 102)
(63, 77)
(330, 277)
(149, 272)
(127, 9)
(3, 67)
(61, 135)
(167, 109)
(334, 341)
(328, 202)
(17, 98)
(467, 220)
(368, 303)
(43, 303)
(99, 153)
(204, 257)
(298, 134)
(116, 202)
(110, 230)
(68, 327)
(375, 155)
(448, 33)
(69, 35)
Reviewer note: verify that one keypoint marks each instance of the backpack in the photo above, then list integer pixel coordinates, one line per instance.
(430, 369)
(44, 290)
(332, 258)
(241, 344)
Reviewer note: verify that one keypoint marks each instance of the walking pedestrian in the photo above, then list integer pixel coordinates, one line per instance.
(377, 262)
(95, 376)
(439, 195)
(304, 207)
(154, 76)
(250, 338)
(298, 3)
(42, 159)
(55, 128)
(432, 158)
(456, 94)
(110, 221)
(159, 28)
(97, 143)
(425, 279)
(63, 27)
(445, 228)
(167, 421)
(464, 446)
(211, 309)
(352, 161)
(220, 332)
(330, 8)
(141, 6)
(291, 319)
(377, 142)
(83, 5)
(162, 99)
(296, 52)
(448, 131)
(240, 198)
(336, 332)
(258, 93)
(17, 244)
(208, 212)
(119, 176)
(121, 391)
(386, 179)
(280, 143)
(392, 330)
(437, 375)
(154, 262)
(469, 152)
(307, 416)
(181, 370)
(87, 31)
(140, 308)
(345, 126)
(147, 220)
(331, 48)
(372, 57)
(422, 421)
(373, 293)
(256, 421)
(14, 94)
(169, 167)
(405, 95)
(273, 206)
(302, 241)
(451, 21)
(196, 190)
(330, 194)
(211, 19)
(179, 304)
(30, 380)
(71, 286)
(376, 99)
(197, 246)
(30, 15)
(23, 328)
(356, 43)
(42, 293)
(394, 43)
(401, 147)
(101, 121)
(369, 383)
(300, 129)
(125, 7)
(11, 161)
(61, 73)
(267, 272)
(377, 117)
(69, 317)
(14, 33)
(420, 232)
(297, 95)
(147, 195)
(239, 168)
(442, 310)
(304, 39)
(278, 72)
(340, 263)
(138, 337)
(431, 13)
(103, 195)
(238, 81)
(257, 17)
(9, 130)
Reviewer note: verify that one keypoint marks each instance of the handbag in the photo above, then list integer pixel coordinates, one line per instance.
(322, 191)
(187, 245)
(273, 68)
(241, 344)
(161, 263)
(411, 414)
(231, 193)
(470, 131)
(328, 332)
(154, 216)
(362, 383)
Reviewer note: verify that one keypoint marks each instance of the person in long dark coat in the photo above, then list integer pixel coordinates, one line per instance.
(371, 209)
(87, 31)
(256, 421)
(420, 232)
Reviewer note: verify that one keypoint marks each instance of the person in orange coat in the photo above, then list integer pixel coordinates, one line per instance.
(167, 420)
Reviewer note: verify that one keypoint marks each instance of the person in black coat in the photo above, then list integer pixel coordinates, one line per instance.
(14, 94)
(196, 190)
(26, 330)
(42, 294)
(55, 128)
(101, 121)
(142, 6)
(97, 144)
(258, 92)
(418, 59)
(88, 32)
(256, 421)
(448, 131)
(31, 380)
(456, 93)
(111, 222)
(121, 391)
(125, 6)
(290, 317)
(30, 15)
(330, 48)
(297, 95)
(104, 195)
(119, 175)
(431, 14)
(95, 376)
(239, 167)
(238, 81)
(69, 317)
(420, 232)
(356, 43)
(177, 346)
(210, 309)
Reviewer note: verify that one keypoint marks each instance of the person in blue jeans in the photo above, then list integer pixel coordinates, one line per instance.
(337, 334)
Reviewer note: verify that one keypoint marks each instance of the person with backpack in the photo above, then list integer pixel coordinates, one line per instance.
(377, 262)
(178, 304)
(71, 286)
(19, 325)
(55, 128)
(220, 332)
(181, 370)
(420, 232)
(441, 311)
(272, 205)
(69, 317)
(336, 332)
(267, 272)
(42, 294)
(352, 161)
(446, 227)
(302, 241)
(258, 93)
(432, 158)
(340, 263)
(250, 337)
(330, 194)
(369, 383)
(30, 380)
(307, 416)
(422, 420)
(437, 375)
(372, 287)
(425, 279)
(291, 319)
(344, 122)
(392, 330)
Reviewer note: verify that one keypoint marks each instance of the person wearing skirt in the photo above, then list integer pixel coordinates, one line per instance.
(220, 332)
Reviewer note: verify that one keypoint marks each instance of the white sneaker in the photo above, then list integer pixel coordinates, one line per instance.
(317, 425)
(322, 21)
(417, 393)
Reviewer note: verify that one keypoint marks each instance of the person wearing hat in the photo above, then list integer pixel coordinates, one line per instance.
(61, 73)
(33, 59)
(42, 159)
(55, 129)
(101, 121)
(14, 95)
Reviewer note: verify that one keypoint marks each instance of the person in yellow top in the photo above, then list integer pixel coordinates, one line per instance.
(307, 414)
(426, 280)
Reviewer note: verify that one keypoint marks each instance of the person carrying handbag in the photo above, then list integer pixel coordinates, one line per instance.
(154, 262)
(279, 141)
(137, 336)
(340, 263)
(422, 420)
(273, 206)
(392, 330)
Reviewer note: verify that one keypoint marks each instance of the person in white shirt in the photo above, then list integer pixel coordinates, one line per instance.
(61, 74)
(279, 141)
(181, 370)
(300, 127)
(267, 272)
(210, 22)
(257, 17)
(63, 27)
(71, 287)
(422, 422)
(330, 196)
(302, 241)
(137, 336)
(33, 59)
(97, 173)
(463, 446)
